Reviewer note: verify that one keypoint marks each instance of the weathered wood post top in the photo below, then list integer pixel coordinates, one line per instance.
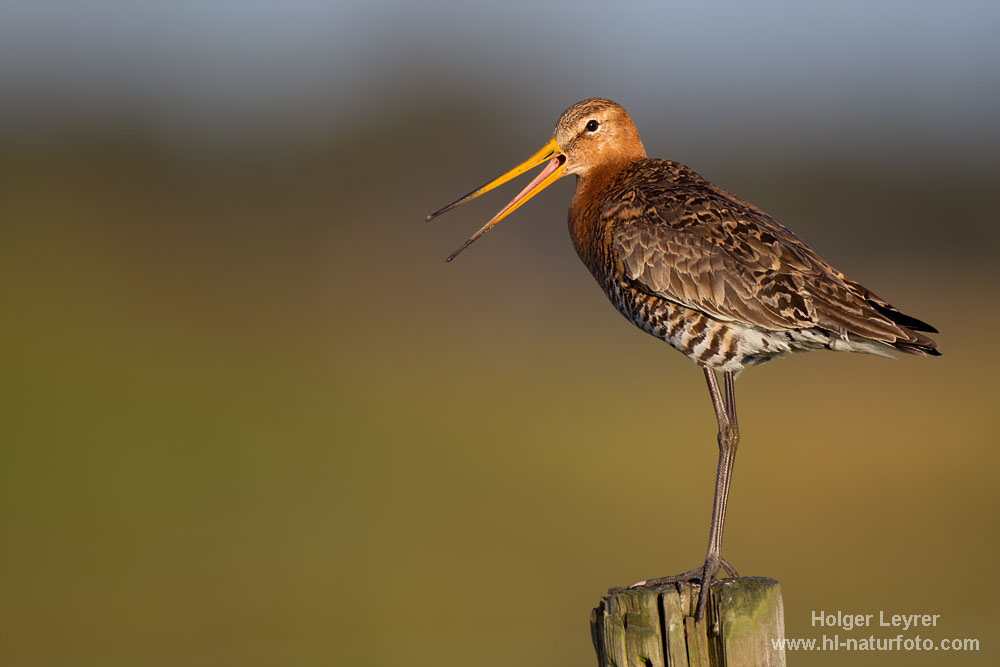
(655, 627)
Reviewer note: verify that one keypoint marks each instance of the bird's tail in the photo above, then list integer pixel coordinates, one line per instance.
(923, 346)
(915, 342)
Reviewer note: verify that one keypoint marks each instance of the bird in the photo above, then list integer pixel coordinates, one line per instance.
(709, 273)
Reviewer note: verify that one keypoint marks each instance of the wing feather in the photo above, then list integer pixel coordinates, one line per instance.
(698, 246)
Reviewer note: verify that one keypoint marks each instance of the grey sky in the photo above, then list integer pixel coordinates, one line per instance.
(227, 64)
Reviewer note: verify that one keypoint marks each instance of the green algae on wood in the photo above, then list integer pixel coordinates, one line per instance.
(654, 627)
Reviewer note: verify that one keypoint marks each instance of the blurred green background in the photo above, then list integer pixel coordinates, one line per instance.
(250, 416)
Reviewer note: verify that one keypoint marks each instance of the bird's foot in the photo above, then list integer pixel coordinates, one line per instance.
(703, 575)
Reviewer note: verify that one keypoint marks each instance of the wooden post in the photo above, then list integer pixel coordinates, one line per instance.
(654, 627)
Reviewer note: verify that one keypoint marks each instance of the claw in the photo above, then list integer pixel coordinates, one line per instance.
(690, 575)
(703, 576)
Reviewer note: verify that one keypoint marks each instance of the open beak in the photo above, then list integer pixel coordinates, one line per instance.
(554, 170)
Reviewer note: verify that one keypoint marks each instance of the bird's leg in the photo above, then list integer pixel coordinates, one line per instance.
(733, 436)
(729, 384)
(729, 437)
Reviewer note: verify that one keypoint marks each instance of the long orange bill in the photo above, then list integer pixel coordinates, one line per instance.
(554, 170)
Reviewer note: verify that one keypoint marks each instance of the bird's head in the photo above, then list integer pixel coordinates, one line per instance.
(594, 133)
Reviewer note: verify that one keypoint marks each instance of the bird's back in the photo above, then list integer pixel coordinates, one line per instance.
(718, 278)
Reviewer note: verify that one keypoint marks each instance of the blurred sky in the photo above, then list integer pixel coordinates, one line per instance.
(230, 66)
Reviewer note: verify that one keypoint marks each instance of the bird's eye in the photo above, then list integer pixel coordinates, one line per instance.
(592, 126)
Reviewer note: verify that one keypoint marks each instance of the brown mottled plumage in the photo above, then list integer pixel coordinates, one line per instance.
(714, 276)
(682, 249)
(705, 271)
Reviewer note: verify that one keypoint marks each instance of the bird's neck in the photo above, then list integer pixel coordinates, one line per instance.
(593, 182)
(585, 227)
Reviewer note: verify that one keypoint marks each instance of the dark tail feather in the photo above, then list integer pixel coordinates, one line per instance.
(913, 348)
(899, 318)
(923, 346)
(919, 344)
